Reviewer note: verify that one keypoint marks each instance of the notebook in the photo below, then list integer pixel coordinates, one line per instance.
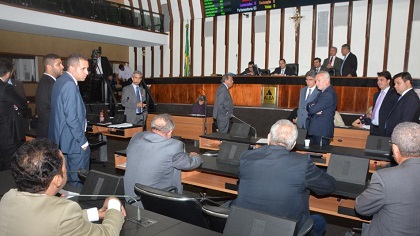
(378, 146)
(246, 222)
(350, 174)
(230, 152)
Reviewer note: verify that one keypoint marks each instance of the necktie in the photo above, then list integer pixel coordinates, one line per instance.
(342, 64)
(139, 109)
(309, 94)
(378, 104)
(330, 61)
(282, 71)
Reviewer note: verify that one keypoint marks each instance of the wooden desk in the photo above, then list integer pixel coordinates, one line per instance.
(127, 132)
(186, 126)
(350, 137)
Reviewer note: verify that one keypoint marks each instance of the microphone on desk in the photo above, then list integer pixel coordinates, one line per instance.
(94, 196)
(252, 127)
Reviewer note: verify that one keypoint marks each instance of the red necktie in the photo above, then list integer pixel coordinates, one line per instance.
(331, 60)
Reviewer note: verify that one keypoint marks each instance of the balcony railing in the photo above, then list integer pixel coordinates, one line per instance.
(98, 10)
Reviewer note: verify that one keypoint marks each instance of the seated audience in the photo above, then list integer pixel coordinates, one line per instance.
(251, 70)
(287, 180)
(199, 107)
(39, 171)
(364, 119)
(392, 195)
(155, 159)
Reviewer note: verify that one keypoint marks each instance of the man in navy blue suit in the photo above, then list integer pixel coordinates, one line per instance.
(68, 117)
(321, 111)
(407, 107)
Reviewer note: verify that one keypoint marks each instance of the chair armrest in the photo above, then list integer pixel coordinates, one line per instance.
(306, 227)
(171, 189)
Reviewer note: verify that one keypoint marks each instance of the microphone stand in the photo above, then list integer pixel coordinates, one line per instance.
(205, 115)
(255, 131)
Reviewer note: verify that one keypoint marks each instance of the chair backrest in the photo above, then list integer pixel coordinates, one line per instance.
(171, 204)
(216, 216)
(294, 67)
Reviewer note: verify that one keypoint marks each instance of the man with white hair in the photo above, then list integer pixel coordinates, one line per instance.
(392, 197)
(276, 181)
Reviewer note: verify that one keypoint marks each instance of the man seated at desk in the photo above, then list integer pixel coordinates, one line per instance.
(392, 196)
(276, 181)
(39, 171)
(155, 159)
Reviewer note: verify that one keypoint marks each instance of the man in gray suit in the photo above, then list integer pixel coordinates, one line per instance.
(223, 104)
(332, 64)
(393, 193)
(155, 159)
(307, 95)
(134, 100)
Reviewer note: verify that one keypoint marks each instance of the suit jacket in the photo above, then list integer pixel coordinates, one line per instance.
(322, 124)
(223, 104)
(156, 161)
(129, 101)
(392, 197)
(8, 125)
(68, 116)
(349, 65)
(388, 103)
(287, 71)
(407, 108)
(278, 182)
(336, 65)
(23, 213)
(302, 113)
(43, 105)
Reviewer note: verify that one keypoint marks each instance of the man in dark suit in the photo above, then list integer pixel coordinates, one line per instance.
(392, 197)
(317, 65)
(68, 117)
(101, 72)
(349, 65)
(53, 68)
(276, 181)
(223, 104)
(10, 101)
(321, 111)
(251, 70)
(134, 101)
(407, 107)
(332, 64)
(282, 70)
(307, 95)
(383, 101)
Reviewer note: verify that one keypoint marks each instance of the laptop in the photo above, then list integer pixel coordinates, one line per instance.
(239, 130)
(246, 222)
(301, 136)
(378, 146)
(230, 152)
(350, 173)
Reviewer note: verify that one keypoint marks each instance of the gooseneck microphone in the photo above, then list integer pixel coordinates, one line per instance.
(252, 127)
(105, 196)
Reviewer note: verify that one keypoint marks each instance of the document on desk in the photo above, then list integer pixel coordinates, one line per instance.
(122, 125)
(262, 141)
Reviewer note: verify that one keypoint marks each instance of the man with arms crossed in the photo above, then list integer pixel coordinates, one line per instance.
(39, 171)
(134, 100)
(223, 104)
(276, 181)
(392, 197)
(155, 159)
(68, 118)
(307, 95)
(53, 68)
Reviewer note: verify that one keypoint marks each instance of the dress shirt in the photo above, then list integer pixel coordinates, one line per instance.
(99, 70)
(375, 121)
(126, 74)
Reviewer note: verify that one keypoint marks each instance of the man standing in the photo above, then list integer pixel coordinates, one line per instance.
(392, 195)
(101, 72)
(10, 101)
(332, 64)
(349, 64)
(321, 111)
(276, 181)
(317, 65)
(133, 98)
(223, 104)
(39, 172)
(53, 68)
(383, 101)
(307, 95)
(68, 117)
(155, 159)
(407, 107)
(282, 70)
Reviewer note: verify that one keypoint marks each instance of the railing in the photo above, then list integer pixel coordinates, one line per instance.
(98, 10)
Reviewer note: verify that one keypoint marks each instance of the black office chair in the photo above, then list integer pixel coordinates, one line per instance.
(216, 216)
(170, 204)
(294, 67)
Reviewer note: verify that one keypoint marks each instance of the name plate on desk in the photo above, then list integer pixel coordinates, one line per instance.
(269, 95)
